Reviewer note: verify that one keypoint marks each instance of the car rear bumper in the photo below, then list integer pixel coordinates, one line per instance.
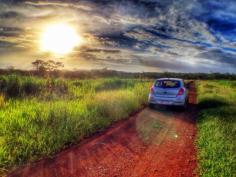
(178, 101)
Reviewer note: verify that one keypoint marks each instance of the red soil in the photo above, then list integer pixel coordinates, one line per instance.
(151, 143)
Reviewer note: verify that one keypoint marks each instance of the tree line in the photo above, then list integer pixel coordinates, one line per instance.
(52, 68)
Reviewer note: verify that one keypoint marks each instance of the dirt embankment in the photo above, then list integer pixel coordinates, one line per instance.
(154, 142)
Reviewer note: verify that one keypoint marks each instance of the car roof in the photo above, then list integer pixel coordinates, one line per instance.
(177, 79)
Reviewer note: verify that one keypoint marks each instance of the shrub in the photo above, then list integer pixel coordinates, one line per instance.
(14, 86)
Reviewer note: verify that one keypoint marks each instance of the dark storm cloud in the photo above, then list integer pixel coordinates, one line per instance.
(11, 1)
(219, 56)
(4, 44)
(108, 59)
(6, 49)
(222, 25)
(119, 39)
(98, 50)
(167, 65)
(176, 35)
(220, 17)
(10, 14)
(10, 31)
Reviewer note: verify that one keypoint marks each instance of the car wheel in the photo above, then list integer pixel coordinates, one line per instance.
(151, 105)
(185, 106)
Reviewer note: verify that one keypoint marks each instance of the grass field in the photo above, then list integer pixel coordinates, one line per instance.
(217, 128)
(38, 117)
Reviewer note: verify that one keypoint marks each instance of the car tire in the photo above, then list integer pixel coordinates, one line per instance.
(151, 105)
(185, 106)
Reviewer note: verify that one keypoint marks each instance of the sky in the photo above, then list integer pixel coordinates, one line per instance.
(126, 35)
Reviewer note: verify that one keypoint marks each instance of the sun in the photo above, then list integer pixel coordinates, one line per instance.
(59, 39)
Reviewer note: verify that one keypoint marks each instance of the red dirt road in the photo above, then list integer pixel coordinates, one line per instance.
(157, 142)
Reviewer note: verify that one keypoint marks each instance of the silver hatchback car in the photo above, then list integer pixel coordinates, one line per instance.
(168, 91)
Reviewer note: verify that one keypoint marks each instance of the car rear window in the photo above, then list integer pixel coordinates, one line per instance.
(167, 84)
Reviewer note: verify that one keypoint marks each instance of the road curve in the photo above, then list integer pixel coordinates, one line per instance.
(154, 142)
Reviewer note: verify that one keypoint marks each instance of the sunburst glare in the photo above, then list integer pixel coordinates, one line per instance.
(59, 39)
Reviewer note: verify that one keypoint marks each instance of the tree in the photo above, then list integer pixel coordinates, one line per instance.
(52, 65)
(38, 64)
(43, 67)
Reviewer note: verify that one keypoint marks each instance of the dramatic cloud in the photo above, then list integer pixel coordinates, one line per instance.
(130, 35)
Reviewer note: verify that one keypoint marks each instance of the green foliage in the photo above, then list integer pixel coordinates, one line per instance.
(42, 116)
(2, 100)
(217, 128)
(14, 86)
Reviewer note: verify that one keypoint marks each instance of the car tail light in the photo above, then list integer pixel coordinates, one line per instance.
(181, 92)
(152, 89)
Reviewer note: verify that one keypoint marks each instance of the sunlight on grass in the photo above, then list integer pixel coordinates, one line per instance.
(42, 116)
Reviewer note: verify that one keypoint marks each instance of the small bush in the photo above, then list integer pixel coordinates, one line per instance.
(31, 87)
(13, 86)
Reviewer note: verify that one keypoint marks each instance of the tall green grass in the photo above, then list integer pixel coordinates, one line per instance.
(217, 128)
(39, 117)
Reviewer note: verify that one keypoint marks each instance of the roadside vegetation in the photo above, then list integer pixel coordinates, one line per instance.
(41, 116)
(217, 128)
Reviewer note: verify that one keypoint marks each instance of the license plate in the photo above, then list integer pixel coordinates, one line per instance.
(165, 102)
